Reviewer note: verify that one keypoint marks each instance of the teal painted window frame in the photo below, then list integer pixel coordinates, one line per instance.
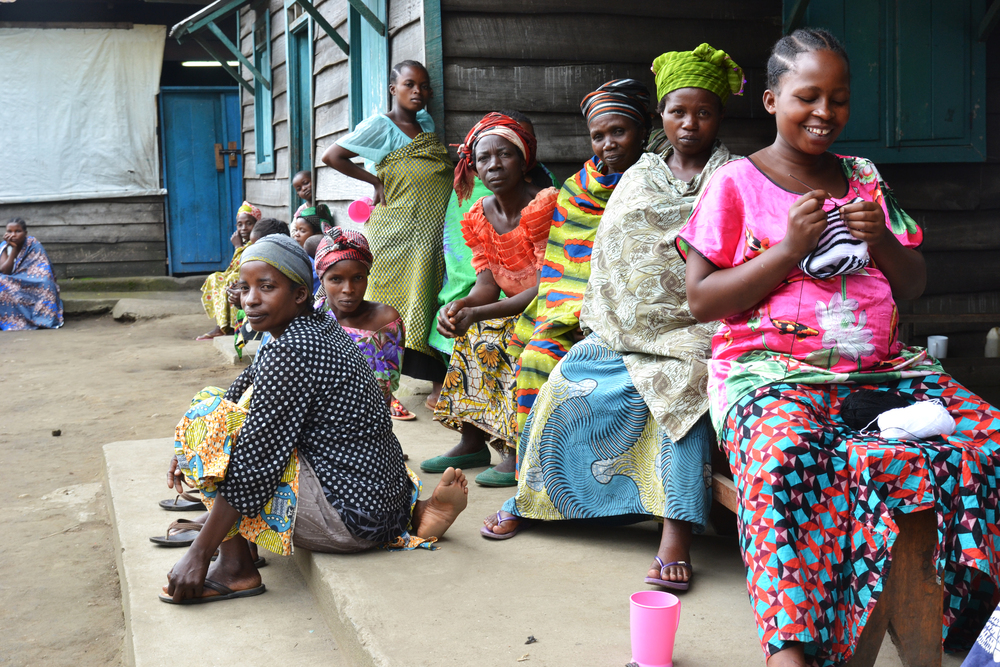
(369, 62)
(900, 83)
(263, 104)
(295, 131)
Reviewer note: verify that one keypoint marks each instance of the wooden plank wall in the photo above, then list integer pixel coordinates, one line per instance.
(542, 56)
(98, 237)
(958, 207)
(331, 111)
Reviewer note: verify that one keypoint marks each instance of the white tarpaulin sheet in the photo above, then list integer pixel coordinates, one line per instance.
(78, 113)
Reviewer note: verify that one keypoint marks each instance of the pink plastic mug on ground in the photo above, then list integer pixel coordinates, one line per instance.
(653, 619)
(360, 210)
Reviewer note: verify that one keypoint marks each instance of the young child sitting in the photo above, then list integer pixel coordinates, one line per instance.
(343, 261)
(819, 501)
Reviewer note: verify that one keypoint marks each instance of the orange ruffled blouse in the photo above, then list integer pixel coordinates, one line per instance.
(514, 257)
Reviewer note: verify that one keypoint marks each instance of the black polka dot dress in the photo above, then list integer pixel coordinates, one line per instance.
(313, 391)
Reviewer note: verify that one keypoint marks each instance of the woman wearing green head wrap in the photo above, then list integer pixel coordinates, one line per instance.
(620, 427)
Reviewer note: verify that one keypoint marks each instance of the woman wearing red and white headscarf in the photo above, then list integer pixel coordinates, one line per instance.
(507, 232)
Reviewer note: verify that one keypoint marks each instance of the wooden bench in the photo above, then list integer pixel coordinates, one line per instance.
(911, 606)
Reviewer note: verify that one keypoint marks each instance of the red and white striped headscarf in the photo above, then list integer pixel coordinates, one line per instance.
(492, 124)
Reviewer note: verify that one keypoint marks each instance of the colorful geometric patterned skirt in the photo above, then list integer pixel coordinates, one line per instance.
(817, 501)
(591, 449)
(480, 384)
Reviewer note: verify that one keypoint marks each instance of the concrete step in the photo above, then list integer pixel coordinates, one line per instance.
(472, 602)
(133, 284)
(131, 306)
(283, 626)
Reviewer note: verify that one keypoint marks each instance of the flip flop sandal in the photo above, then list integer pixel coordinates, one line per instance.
(180, 533)
(485, 531)
(673, 585)
(399, 412)
(184, 502)
(224, 593)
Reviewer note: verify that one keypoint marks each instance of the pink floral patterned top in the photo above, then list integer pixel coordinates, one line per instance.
(807, 330)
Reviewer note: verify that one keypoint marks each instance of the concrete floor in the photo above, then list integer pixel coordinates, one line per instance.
(473, 602)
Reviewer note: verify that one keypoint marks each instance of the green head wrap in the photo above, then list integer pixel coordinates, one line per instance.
(704, 67)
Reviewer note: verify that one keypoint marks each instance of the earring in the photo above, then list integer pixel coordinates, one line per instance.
(527, 179)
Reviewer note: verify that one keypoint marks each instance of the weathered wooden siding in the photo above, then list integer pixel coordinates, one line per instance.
(98, 237)
(331, 112)
(542, 56)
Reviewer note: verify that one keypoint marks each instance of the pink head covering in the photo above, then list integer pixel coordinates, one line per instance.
(340, 244)
(247, 207)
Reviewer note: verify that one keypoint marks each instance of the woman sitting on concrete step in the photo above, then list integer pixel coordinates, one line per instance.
(299, 449)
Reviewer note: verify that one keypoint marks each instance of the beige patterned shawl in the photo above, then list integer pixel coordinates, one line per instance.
(636, 299)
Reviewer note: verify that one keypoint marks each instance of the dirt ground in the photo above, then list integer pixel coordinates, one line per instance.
(97, 381)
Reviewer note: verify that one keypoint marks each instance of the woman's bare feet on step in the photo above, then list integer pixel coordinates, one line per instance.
(675, 545)
(433, 517)
(506, 524)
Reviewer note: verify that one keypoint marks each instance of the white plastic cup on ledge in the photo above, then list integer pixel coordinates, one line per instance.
(937, 346)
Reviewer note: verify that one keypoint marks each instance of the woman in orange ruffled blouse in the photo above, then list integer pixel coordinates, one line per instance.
(507, 233)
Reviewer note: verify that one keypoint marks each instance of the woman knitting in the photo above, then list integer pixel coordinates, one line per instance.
(299, 450)
(804, 279)
(620, 428)
(412, 176)
(507, 233)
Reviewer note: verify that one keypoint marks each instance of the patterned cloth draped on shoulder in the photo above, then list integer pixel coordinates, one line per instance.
(29, 295)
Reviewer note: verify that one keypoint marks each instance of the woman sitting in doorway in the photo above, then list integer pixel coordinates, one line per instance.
(214, 295)
(507, 232)
(29, 295)
(620, 428)
(301, 433)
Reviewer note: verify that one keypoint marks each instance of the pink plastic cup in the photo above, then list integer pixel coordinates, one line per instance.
(653, 619)
(360, 210)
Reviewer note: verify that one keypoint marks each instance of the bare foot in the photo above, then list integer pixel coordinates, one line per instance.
(509, 523)
(214, 333)
(675, 545)
(434, 517)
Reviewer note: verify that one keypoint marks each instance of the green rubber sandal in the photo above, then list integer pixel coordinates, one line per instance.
(479, 459)
(496, 479)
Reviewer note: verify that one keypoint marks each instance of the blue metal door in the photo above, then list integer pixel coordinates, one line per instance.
(204, 183)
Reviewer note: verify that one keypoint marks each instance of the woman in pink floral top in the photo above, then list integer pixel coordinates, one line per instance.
(805, 288)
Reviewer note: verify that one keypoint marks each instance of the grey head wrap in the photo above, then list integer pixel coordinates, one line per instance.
(284, 254)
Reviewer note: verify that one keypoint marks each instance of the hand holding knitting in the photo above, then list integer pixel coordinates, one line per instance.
(806, 222)
(866, 220)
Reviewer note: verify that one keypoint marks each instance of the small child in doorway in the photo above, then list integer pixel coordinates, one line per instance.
(343, 261)
(302, 182)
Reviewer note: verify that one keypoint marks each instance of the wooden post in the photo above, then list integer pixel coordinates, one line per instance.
(911, 606)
